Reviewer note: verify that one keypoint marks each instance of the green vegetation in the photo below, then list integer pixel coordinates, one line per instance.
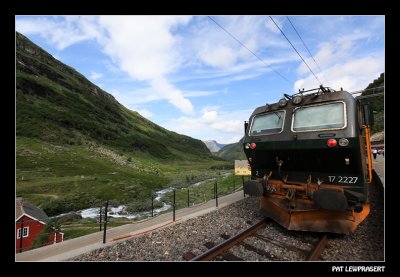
(43, 237)
(205, 192)
(85, 226)
(232, 151)
(76, 146)
(73, 227)
(377, 103)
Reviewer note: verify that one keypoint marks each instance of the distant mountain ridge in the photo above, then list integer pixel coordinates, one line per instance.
(232, 151)
(213, 146)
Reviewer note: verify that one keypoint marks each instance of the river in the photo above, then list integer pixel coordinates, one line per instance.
(120, 211)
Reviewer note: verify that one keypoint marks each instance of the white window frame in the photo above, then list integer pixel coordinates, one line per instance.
(19, 232)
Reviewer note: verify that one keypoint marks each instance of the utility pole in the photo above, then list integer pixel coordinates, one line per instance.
(152, 205)
(174, 206)
(188, 198)
(105, 222)
(244, 194)
(216, 193)
(100, 213)
(21, 236)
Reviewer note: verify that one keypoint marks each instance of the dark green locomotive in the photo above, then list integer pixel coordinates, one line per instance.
(310, 160)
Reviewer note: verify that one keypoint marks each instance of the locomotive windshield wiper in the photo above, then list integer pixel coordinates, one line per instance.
(277, 115)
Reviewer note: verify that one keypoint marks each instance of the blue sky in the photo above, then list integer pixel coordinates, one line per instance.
(188, 75)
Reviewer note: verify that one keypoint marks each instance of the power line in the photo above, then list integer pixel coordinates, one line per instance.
(370, 95)
(295, 49)
(374, 94)
(304, 44)
(249, 50)
(360, 91)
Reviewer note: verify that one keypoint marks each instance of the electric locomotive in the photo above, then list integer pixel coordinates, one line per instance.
(310, 160)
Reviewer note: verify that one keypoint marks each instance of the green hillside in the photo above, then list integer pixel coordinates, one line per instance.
(76, 145)
(377, 103)
(232, 151)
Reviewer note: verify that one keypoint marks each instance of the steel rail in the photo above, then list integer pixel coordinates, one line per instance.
(229, 243)
(319, 247)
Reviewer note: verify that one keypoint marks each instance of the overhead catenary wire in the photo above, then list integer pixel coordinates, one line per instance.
(295, 50)
(361, 91)
(250, 50)
(373, 94)
(304, 44)
(309, 52)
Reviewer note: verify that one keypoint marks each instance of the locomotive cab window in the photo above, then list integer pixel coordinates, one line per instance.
(319, 117)
(266, 124)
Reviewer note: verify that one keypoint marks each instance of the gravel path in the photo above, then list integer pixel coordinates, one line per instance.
(170, 243)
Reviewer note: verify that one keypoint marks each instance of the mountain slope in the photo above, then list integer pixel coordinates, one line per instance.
(213, 146)
(376, 103)
(76, 145)
(232, 151)
(57, 104)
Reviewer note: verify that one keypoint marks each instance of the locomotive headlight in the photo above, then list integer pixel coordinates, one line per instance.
(343, 142)
(282, 102)
(247, 145)
(297, 99)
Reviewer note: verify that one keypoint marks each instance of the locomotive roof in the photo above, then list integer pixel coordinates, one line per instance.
(309, 98)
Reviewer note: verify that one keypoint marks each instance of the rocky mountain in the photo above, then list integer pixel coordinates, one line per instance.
(232, 151)
(213, 146)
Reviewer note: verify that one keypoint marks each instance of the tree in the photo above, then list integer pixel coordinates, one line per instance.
(43, 238)
(376, 103)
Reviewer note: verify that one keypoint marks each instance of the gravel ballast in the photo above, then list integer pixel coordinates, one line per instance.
(170, 243)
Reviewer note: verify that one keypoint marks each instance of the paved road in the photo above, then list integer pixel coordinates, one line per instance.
(73, 247)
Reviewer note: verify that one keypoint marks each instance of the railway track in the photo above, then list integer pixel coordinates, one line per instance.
(222, 251)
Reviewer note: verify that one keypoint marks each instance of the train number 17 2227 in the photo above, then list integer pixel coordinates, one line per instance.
(343, 179)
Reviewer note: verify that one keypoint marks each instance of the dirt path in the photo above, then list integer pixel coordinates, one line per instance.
(47, 195)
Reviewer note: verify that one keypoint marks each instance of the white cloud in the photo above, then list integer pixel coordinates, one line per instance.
(332, 52)
(161, 53)
(95, 75)
(343, 64)
(209, 117)
(351, 75)
(144, 47)
(144, 112)
(233, 139)
(213, 123)
(218, 56)
(174, 96)
(61, 33)
(138, 96)
(198, 93)
(217, 49)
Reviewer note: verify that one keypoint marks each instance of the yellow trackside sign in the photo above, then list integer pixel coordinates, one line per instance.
(242, 167)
